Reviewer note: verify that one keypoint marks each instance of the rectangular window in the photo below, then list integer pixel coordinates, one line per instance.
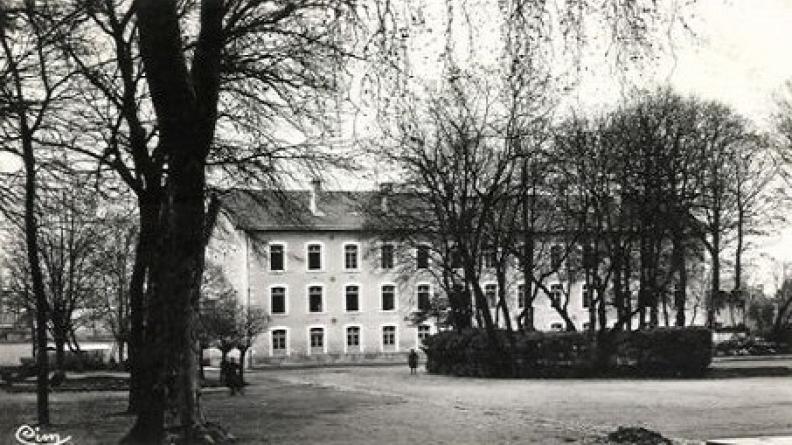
(352, 297)
(389, 337)
(276, 257)
(424, 296)
(491, 294)
(586, 296)
(558, 327)
(521, 296)
(314, 257)
(353, 337)
(279, 341)
(315, 303)
(589, 257)
(489, 257)
(556, 292)
(386, 256)
(278, 300)
(556, 254)
(317, 340)
(422, 257)
(423, 333)
(521, 255)
(388, 297)
(350, 257)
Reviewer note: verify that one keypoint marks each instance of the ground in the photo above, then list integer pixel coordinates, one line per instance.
(387, 405)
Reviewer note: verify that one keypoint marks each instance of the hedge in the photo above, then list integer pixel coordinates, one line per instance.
(683, 351)
(656, 352)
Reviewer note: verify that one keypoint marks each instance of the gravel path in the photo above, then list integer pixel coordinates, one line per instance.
(367, 405)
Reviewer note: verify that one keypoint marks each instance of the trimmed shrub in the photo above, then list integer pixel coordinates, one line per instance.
(470, 353)
(657, 352)
(465, 353)
(678, 351)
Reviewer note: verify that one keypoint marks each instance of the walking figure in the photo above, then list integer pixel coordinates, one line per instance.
(412, 360)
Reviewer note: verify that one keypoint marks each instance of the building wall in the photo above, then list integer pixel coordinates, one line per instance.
(244, 258)
(333, 278)
(245, 262)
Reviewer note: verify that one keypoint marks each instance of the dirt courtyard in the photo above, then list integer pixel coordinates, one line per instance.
(691, 409)
(386, 405)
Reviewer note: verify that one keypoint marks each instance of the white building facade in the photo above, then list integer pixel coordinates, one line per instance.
(331, 291)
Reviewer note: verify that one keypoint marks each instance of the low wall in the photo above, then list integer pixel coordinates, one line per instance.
(332, 359)
(12, 352)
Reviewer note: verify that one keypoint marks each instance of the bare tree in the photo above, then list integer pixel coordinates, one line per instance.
(68, 239)
(722, 133)
(252, 321)
(294, 56)
(114, 259)
(33, 86)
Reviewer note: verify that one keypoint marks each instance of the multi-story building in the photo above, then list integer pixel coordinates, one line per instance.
(332, 290)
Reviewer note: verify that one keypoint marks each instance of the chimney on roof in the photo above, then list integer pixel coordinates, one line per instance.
(386, 188)
(316, 188)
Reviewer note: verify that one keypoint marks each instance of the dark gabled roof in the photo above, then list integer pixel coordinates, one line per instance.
(271, 210)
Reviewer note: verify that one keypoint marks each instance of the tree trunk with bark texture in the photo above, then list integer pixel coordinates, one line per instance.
(60, 351)
(185, 103)
(149, 205)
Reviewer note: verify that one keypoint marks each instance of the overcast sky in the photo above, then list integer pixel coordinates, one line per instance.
(741, 56)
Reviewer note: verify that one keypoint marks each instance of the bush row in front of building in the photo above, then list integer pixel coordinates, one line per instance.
(656, 352)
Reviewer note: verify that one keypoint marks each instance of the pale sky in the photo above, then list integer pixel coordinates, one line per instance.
(742, 59)
(741, 56)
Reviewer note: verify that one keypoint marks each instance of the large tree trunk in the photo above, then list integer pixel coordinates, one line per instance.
(171, 362)
(149, 204)
(185, 103)
(59, 338)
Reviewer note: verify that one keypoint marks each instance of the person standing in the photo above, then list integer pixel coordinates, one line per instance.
(233, 378)
(412, 360)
